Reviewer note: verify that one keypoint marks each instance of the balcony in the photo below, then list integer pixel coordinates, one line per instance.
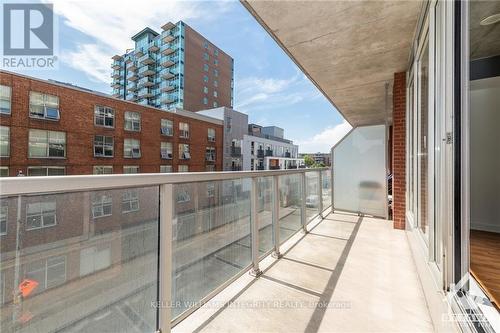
(116, 84)
(147, 70)
(209, 157)
(132, 66)
(167, 49)
(116, 64)
(147, 59)
(166, 74)
(132, 86)
(146, 81)
(167, 62)
(167, 36)
(132, 76)
(167, 86)
(235, 151)
(153, 47)
(131, 97)
(288, 155)
(145, 93)
(139, 52)
(116, 74)
(269, 152)
(99, 259)
(260, 153)
(167, 98)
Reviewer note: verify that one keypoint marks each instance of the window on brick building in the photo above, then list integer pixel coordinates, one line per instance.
(130, 169)
(131, 148)
(104, 116)
(184, 151)
(103, 146)
(4, 141)
(132, 121)
(205, 90)
(216, 73)
(166, 150)
(40, 215)
(216, 52)
(215, 93)
(167, 127)
(130, 201)
(205, 56)
(46, 171)
(205, 44)
(5, 99)
(215, 104)
(216, 83)
(165, 168)
(182, 168)
(103, 169)
(44, 106)
(4, 213)
(210, 154)
(211, 134)
(205, 78)
(216, 62)
(184, 130)
(4, 171)
(205, 67)
(49, 273)
(205, 100)
(102, 205)
(46, 144)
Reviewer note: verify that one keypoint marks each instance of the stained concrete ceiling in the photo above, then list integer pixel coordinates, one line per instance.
(484, 39)
(349, 49)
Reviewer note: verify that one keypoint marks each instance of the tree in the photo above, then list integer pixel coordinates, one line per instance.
(308, 160)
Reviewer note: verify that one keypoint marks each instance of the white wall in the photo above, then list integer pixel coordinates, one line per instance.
(485, 154)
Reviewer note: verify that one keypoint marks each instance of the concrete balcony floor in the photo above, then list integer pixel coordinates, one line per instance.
(348, 274)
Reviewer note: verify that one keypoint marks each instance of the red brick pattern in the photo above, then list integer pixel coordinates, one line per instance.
(399, 150)
(77, 120)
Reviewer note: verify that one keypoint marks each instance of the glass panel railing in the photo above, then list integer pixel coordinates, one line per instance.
(265, 213)
(326, 183)
(290, 209)
(211, 237)
(80, 261)
(312, 195)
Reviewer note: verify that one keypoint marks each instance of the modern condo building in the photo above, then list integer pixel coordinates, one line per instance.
(176, 68)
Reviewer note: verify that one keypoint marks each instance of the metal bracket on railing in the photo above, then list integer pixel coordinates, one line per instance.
(254, 220)
(276, 218)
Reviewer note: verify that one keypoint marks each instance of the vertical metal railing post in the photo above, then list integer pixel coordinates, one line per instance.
(303, 202)
(276, 217)
(320, 193)
(331, 187)
(165, 253)
(254, 221)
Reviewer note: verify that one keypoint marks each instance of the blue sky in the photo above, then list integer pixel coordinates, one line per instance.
(268, 85)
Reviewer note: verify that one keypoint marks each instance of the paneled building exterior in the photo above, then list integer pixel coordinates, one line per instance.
(177, 68)
(50, 128)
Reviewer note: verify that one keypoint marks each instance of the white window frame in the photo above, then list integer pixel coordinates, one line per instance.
(47, 168)
(47, 142)
(105, 146)
(5, 139)
(4, 214)
(45, 104)
(130, 198)
(210, 154)
(183, 130)
(132, 121)
(104, 112)
(131, 148)
(130, 167)
(102, 167)
(6, 95)
(43, 214)
(4, 168)
(167, 127)
(166, 169)
(100, 201)
(166, 150)
(184, 151)
(211, 134)
(182, 166)
(46, 266)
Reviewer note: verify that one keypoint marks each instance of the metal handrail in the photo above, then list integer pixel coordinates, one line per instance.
(47, 184)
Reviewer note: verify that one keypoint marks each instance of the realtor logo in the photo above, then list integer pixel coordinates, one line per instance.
(28, 36)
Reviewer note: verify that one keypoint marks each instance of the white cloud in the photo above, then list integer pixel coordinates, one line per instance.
(111, 23)
(325, 140)
(254, 93)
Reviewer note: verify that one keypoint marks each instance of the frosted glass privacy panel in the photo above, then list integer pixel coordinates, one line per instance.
(359, 172)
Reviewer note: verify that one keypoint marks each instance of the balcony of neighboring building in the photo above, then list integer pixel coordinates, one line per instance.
(269, 152)
(167, 98)
(153, 47)
(132, 66)
(116, 74)
(166, 86)
(116, 83)
(166, 73)
(147, 70)
(167, 48)
(146, 81)
(145, 93)
(260, 153)
(116, 64)
(147, 59)
(167, 61)
(132, 75)
(167, 36)
(235, 151)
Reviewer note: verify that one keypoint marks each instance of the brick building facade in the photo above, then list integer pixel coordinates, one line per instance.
(85, 132)
(399, 150)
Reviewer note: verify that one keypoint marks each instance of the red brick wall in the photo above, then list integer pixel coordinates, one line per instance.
(77, 120)
(399, 150)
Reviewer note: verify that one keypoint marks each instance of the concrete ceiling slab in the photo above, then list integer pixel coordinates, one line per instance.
(349, 49)
(484, 39)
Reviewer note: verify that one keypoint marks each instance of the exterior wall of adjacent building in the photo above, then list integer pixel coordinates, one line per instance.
(251, 144)
(168, 70)
(76, 109)
(235, 127)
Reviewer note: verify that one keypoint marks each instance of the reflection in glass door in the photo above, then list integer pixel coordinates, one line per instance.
(423, 138)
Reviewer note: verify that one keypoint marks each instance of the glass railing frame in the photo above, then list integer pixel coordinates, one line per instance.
(21, 186)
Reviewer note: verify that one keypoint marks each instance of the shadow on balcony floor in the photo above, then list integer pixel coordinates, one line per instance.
(348, 274)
